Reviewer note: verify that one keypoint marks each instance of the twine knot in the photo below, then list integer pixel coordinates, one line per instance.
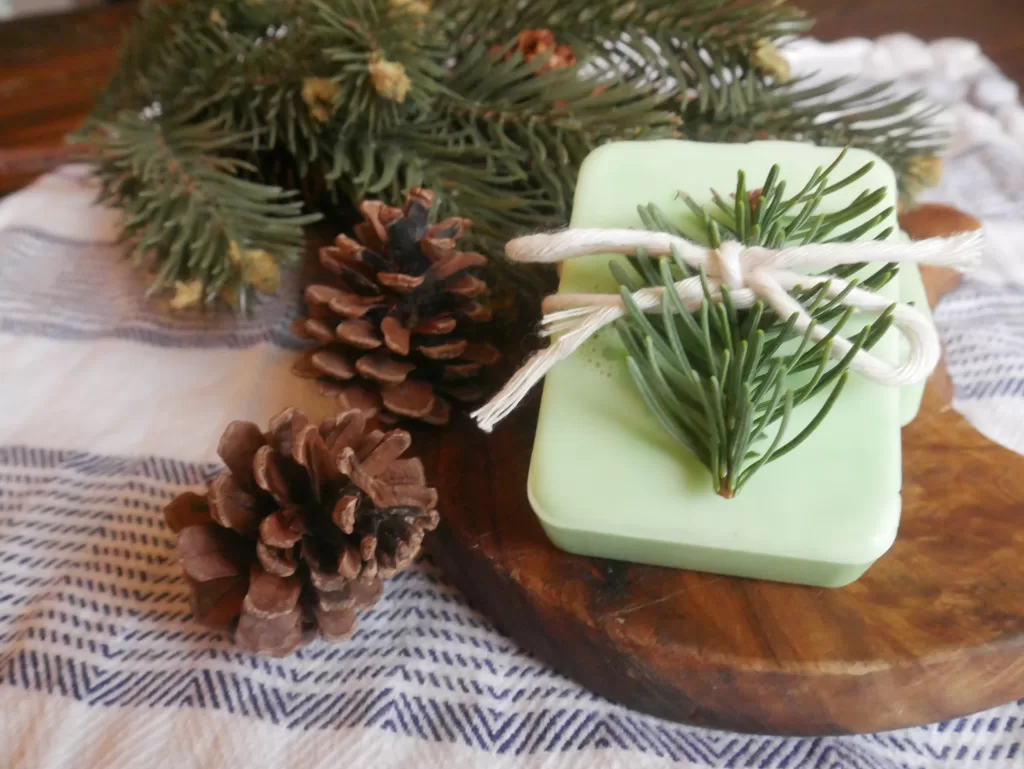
(750, 274)
(727, 264)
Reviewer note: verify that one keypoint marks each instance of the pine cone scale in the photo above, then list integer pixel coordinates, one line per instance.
(327, 581)
(458, 262)
(446, 351)
(362, 284)
(367, 592)
(452, 228)
(311, 328)
(209, 552)
(278, 636)
(343, 432)
(460, 371)
(277, 561)
(345, 303)
(402, 495)
(349, 564)
(365, 446)
(311, 453)
(344, 513)
(238, 446)
(404, 472)
(478, 313)
(217, 602)
(188, 509)
(283, 430)
(359, 333)
(268, 475)
(396, 336)
(381, 367)
(408, 398)
(394, 444)
(403, 284)
(333, 364)
(231, 506)
(419, 199)
(345, 251)
(337, 601)
(372, 231)
(280, 529)
(358, 398)
(336, 625)
(440, 414)
(484, 354)
(442, 324)
(466, 285)
(269, 595)
(440, 252)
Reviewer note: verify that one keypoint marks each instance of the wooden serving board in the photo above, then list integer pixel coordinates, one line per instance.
(935, 629)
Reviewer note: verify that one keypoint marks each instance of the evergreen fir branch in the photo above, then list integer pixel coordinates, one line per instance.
(343, 99)
(508, 140)
(588, 24)
(695, 50)
(187, 210)
(719, 379)
(354, 34)
(863, 120)
(253, 63)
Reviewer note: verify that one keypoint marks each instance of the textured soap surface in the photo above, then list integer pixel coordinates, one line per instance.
(605, 478)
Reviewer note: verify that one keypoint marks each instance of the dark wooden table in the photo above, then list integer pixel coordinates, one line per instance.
(52, 67)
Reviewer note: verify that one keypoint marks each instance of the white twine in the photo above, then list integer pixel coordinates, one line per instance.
(750, 273)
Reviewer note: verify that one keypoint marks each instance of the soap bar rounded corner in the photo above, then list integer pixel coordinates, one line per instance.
(539, 509)
(885, 534)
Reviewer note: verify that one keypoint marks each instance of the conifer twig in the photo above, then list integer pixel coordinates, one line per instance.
(720, 379)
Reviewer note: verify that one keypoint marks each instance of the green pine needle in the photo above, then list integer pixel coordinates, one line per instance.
(186, 209)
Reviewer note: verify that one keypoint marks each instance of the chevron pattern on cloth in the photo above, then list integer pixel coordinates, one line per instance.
(92, 292)
(93, 609)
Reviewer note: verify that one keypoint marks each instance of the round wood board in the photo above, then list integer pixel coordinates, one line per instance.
(935, 629)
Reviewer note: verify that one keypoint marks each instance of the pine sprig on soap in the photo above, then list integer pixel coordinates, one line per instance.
(721, 380)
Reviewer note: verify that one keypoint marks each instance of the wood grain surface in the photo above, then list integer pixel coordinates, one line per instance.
(934, 630)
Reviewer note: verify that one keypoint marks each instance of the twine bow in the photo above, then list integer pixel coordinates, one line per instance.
(750, 273)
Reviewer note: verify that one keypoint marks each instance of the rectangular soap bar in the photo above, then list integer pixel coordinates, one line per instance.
(607, 480)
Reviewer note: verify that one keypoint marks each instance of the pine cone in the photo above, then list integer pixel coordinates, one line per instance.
(301, 528)
(394, 325)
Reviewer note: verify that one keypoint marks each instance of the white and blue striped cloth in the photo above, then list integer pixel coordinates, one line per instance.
(109, 406)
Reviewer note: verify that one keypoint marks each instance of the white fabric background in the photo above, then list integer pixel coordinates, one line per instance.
(110, 406)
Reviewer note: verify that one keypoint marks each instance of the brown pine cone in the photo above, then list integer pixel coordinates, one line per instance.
(394, 325)
(299, 530)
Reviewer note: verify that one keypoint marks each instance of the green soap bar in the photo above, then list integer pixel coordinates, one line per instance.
(606, 480)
